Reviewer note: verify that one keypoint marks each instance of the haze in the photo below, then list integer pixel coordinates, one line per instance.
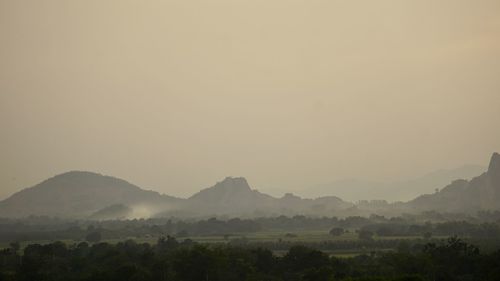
(176, 95)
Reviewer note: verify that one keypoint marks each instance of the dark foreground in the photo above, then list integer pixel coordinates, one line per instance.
(186, 261)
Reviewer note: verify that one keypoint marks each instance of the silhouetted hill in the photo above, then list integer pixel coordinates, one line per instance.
(94, 196)
(233, 196)
(80, 194)
(230, 196)
(91, 195)
(480, 193)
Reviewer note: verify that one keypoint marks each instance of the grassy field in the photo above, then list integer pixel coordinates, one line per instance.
(264, 236)
(310, 236)
(306, 236)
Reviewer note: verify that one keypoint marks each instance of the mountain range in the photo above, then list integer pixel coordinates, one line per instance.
(87, 195)
(401, 190)
(480, 193)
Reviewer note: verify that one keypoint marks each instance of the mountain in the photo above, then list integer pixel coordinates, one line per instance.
(354, 190)
(234, 197)
(88, 195)
(230, 196)
(94, 196)
(480, 193)
(81, 194)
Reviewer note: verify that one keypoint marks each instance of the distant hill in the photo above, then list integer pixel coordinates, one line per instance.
(93, 196)
(88, 195)
(233, 196)
(480, 193)
(354, 190)
(80, 194)
(230, 196)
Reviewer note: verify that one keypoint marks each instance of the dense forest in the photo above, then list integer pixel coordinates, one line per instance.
(169, 259)
(429, 246)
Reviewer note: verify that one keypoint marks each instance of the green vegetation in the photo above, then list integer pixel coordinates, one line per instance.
(339, 237)
(170, 259)
(279, 248)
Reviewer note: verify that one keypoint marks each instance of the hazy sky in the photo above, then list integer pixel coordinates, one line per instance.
(176, 95)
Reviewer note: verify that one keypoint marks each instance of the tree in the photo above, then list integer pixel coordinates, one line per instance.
(300, 258)
(336, 231)
(166, 244)
(15, 246)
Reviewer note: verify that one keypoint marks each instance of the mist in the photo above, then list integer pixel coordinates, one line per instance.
(175, 96)
(226, 140)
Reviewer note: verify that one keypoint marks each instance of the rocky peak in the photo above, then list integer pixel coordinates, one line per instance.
(233, 183)
(494, 170)
(494, 166)
(229, 186)
(290, 196)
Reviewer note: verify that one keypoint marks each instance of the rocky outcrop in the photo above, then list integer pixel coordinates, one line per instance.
(494, 170)
(480, 193)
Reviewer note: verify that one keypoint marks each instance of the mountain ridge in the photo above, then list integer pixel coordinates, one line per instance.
(480, 193)
(82, 194)
(394, 191)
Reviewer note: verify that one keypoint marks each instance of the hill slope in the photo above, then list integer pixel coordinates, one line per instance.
(80, 194)
(233, 196)
(480, 193)
(90, 195)
(230, 196)
(354, 190)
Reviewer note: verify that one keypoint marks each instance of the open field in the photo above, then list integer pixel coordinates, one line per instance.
(276, 236)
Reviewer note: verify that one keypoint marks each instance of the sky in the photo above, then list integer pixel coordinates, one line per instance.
(176, 95)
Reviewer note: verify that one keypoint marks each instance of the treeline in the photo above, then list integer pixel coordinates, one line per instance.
(339, 246)
(457, 228)
(43, 228)
(187, 261)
